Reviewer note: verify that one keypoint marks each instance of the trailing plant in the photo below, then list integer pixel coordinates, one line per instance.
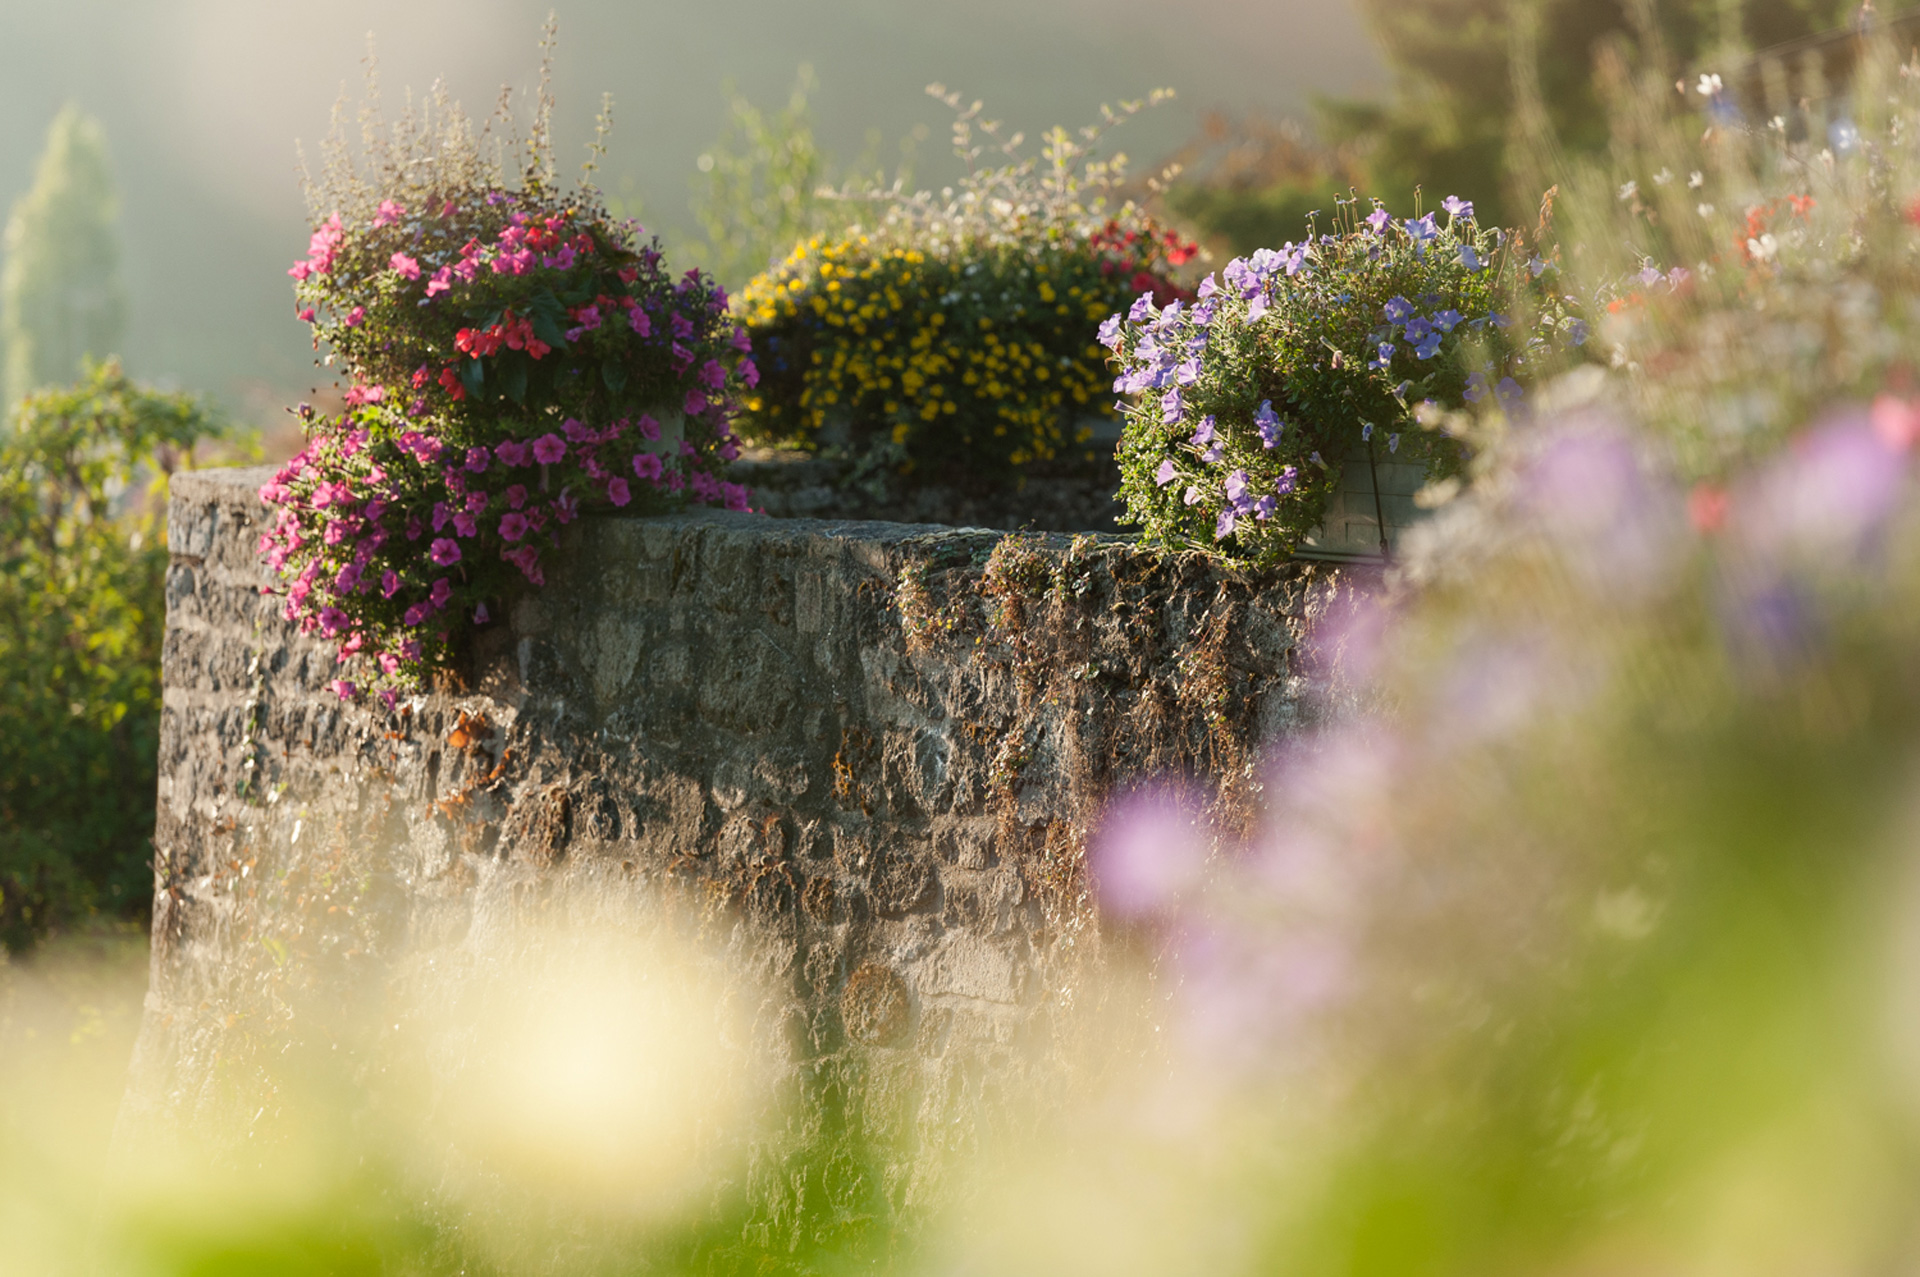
(516, 357)
(1245, 405)
(83, 564)
(950, 338)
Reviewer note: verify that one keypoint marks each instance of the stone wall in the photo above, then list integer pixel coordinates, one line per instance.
(865, 754)
(1070, 494)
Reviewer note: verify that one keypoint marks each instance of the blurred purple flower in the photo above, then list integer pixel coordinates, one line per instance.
(1614, 526)
(1149, 852)
(1828, 496)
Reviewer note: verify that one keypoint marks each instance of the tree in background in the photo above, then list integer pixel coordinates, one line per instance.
(82, 570)
(1457, 121)
(61, 297)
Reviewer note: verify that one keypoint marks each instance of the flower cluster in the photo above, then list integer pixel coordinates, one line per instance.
(1244, 404)
(966, 363)
(950, 340)
(516, 357)
(391, 539)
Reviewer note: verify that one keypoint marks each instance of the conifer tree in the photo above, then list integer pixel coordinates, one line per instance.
(61, 296)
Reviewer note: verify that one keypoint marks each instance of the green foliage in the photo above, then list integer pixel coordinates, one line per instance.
(1251, 183)
(82, 570)
(1748, 279)
(758, 195)
(61, 299)
(1465, 74)
(1244, 407)
(953, 339)
(1490, 99)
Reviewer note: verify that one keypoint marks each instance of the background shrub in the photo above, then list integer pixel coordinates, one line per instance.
(82, 569)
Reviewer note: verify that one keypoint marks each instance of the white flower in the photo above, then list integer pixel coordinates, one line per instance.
(1709, 86)
(1630, 190)
(1664, 176)
(1696, 180)
(1763, 248)
(1705, 210)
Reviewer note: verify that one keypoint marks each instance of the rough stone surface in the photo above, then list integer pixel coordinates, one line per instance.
(867, 754)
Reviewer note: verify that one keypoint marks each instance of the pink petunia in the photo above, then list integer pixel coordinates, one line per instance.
(647, 466)
(389, 584)
(617, 491)
(404, 266)
(444, 551)
(441, 593)
(515, 496)
(465, 524)
(511, 452)
(345, 690)
(355, 315)
(549, 448)
(389, 213)
(513, 525)
(440, 281)
(478, 459)
(649, 428)
(636, 318)
(749, 373)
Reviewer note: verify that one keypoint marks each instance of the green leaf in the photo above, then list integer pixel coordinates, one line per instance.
(549, 317)
(512, 375)
(473, 376)
(614, 374)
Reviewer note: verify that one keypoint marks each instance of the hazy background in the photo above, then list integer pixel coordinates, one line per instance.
(203, 101)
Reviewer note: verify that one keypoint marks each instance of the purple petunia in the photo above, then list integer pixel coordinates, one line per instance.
(444, 551)
(1268, 423)
(1171, 407)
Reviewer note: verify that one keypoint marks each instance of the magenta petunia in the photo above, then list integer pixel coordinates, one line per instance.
(549, 448)
(444, 551)
(617, 491)
(513, 525)
(647, 466)
(511, 452)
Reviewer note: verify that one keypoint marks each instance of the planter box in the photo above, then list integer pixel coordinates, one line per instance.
(1351, 529)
